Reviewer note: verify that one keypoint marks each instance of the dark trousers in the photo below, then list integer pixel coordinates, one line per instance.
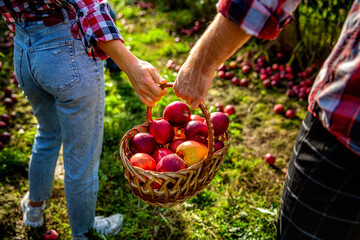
(321, 195)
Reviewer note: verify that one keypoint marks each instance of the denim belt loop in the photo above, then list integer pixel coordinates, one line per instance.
(66, 16)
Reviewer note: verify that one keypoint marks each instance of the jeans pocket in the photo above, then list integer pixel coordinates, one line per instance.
(18, 57)
(56, 69)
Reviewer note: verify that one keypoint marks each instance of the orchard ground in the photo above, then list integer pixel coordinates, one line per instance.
(242, 201)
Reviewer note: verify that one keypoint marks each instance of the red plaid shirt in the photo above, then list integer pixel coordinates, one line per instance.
(93, 21)
(335, 95)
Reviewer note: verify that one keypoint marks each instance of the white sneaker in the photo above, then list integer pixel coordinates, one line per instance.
(32, 216)
(108, 225)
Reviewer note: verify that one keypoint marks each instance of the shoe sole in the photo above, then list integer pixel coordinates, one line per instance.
(28, 222)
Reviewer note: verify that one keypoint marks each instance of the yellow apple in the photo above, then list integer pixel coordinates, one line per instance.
(192, 152)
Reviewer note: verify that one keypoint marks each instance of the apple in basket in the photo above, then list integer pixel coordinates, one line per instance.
(197, 131)
(160, 153)
(177, 113)
(218, 145)
(143, 143)
(220, 122)
(174, 144)
(170, 163)
(143, 160)
(192, 152)
(162, 131)
(195, 117)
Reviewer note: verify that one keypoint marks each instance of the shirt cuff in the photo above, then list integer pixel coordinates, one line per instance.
(256, 18)
(94, 25)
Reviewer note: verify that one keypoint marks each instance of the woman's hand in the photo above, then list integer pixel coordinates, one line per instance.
(146, 80)
(143, 76)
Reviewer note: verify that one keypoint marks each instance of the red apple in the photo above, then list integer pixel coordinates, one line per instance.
(229, 75)
(218, 145)
(219, 107)
(144, 143)
(2, 124)
(197, 131)
(279, 108)
(222, 67)
(170, 64)
(221, 74)
(267, 83)
(245, 69)
(162, 131)
(14, 98)
(233, 64)
(170, 163)
(143, 160)
(7, 91)
(279, 55)
(195, 117)
(51, 235)
(244, 82)
(5, 137)
(174, 144)
(290, 93)
(220, 122)
(235, 81)
(229, 109)
(177, 113)
(275, 67)
(4, 117)
(270, 159)
(290, 113)
(177, 68)
(160, 153)
(8, 102)
(264, 77)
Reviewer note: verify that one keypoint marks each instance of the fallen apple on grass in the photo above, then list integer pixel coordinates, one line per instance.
(51, 235)
(279, 108)
(290, 113)
(229, 109)
(5, 137)
(270, 159)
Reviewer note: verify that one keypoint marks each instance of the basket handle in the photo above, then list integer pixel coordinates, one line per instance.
(206, 113)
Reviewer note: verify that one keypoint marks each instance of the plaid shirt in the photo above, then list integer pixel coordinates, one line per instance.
(93, 21)
(335, 96)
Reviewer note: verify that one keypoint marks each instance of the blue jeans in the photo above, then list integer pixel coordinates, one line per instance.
(66, 91)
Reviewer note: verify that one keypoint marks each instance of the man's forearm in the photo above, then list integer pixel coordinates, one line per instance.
(221, 39)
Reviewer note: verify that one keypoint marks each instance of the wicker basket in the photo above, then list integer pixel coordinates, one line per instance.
(172, 187)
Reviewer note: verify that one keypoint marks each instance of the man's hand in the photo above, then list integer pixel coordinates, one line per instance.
(217, 44)
(143, 76)
(192, 84)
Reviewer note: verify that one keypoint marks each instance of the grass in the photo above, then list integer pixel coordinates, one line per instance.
(243, 199)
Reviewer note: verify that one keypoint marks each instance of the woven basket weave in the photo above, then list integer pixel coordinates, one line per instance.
(172, 188)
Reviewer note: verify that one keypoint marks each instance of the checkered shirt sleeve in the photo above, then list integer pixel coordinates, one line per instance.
(93, 24)
(261, 18)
